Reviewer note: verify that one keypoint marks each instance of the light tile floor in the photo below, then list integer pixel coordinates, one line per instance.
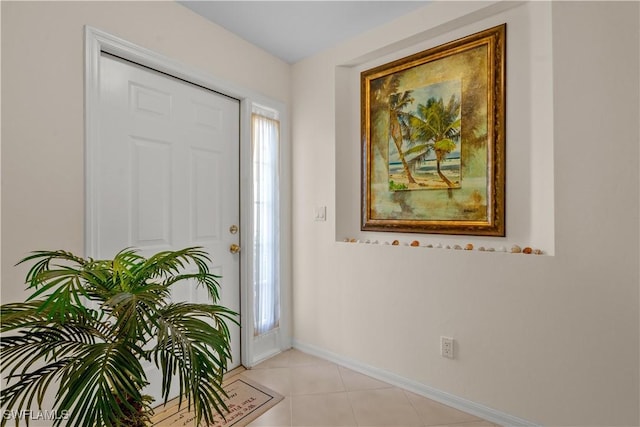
(320, 393)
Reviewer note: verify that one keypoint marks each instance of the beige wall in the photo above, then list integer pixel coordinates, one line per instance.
(551, 339)
(43, 106)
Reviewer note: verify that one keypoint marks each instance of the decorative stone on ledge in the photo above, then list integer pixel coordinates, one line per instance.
(515, 249)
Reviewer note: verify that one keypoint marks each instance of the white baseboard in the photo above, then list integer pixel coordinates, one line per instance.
(448, 399)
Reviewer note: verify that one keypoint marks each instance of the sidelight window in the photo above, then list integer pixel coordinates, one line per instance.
(266, 222)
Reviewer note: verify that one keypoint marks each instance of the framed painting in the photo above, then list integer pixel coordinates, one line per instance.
(433, 135)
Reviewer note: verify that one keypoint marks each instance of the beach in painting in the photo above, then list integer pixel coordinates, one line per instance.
(425, 175)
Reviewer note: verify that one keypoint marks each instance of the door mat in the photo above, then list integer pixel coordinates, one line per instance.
(247, 401)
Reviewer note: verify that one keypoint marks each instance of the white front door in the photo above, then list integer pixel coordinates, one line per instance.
(168, 175)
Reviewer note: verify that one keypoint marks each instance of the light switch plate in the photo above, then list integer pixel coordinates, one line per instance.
(320, 213)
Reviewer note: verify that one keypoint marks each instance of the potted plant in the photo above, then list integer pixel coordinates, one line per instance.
(88, 324)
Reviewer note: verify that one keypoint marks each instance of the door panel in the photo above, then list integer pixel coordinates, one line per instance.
(205, 168)
(150, 193)
(168, 174)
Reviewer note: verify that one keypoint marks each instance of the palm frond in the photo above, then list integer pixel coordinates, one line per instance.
(39, 354)
(193, 344)
(420, 148)
(31, 386)
(207, 280)
(100, 384)
(173, 262)
(45, 258)
(445, 145)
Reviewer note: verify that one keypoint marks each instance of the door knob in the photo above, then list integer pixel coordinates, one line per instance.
(234, 249)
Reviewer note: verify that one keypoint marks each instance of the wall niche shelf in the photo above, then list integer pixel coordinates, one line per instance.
(529, 136)
(468, 247)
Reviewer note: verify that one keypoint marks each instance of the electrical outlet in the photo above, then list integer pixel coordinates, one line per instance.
(446, 347)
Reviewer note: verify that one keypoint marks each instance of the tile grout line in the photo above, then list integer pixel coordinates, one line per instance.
(353, 412)
(406, 396)
(290, 379)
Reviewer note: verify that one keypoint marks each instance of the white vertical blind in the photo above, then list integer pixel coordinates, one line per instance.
(266, 224)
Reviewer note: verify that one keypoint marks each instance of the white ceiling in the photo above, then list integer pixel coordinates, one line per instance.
(294, 30)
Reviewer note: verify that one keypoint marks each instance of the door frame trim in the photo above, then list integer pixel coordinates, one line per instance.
(97, 42)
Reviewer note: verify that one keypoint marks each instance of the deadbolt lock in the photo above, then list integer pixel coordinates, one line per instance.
(233, 229)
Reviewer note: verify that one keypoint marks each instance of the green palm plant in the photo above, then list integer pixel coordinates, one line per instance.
(95, 355)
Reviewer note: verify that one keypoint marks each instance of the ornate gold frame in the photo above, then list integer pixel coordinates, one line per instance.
(470, 73)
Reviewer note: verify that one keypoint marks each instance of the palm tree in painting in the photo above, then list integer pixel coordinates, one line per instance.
(436, 125)
(399, 126)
